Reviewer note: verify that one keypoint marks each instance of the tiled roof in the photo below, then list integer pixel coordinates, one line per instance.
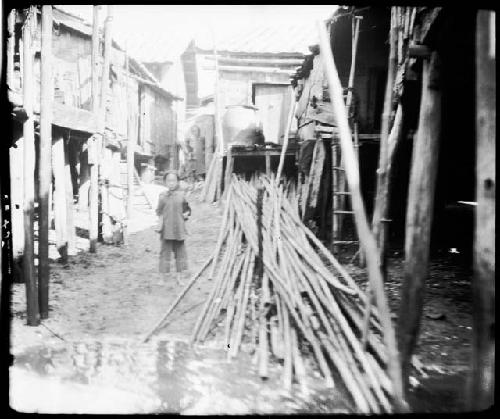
(262, 39)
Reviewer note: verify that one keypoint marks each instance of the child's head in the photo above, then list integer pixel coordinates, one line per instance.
(171, 179)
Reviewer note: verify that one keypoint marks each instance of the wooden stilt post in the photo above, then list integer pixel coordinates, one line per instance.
(29, 173)
(60, 207)
(482, 379)
(45, 164)
(93, 141)
(363, 229)
(419, 212)
(106, 154)
(379, 227)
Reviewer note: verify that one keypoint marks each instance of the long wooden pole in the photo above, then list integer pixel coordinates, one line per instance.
(364, 233)
(379, 227)
(419, 213)
(29, 173)
(293, 104)
(482, 378)
(45, 163)
(93, 142)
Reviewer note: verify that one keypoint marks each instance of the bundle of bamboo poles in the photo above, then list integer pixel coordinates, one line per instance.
(274, 291)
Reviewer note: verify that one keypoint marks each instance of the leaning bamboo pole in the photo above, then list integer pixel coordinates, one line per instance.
(366, 238)
(45, 166)
(293, 105)
(33, 316)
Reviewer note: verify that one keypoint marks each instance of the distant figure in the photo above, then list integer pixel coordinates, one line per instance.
(173, 210)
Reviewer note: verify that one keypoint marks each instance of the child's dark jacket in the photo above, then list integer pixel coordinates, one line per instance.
(171, 206)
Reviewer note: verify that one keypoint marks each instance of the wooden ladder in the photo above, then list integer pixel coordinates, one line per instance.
(340, 192)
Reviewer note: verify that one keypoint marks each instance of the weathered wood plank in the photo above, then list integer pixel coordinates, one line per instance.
(419, 212)
(482, 379)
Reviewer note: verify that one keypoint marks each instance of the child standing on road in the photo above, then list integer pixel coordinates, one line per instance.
(173, 210)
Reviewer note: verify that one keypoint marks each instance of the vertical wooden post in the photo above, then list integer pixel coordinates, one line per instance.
(92, 142)
(364, 232)
(130, 145)
(378, 226)
(106, 154)
(29, 174)
(482, 378)
(419, 212)
(268, 163)
(70, 216)
(45, 164)
(60, 207)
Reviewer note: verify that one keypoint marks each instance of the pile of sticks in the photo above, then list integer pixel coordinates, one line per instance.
(278, 290)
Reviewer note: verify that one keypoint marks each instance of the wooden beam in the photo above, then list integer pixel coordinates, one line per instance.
(364, 232)
(419, 213)
(92, 142)
(45, 163)
(481, 389)
(33, 317)
(60, 207)
(130, 151)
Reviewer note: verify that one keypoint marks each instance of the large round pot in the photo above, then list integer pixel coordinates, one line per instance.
(241, 126)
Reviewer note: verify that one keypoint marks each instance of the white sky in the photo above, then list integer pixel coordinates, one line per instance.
(181, 22)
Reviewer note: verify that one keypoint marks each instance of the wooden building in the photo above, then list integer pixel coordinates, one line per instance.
(137, 109)
(425, 100)
(254, 68)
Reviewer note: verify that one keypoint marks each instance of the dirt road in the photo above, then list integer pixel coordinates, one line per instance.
(118, 290)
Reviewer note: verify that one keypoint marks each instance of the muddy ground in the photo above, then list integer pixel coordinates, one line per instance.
(118, 293)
